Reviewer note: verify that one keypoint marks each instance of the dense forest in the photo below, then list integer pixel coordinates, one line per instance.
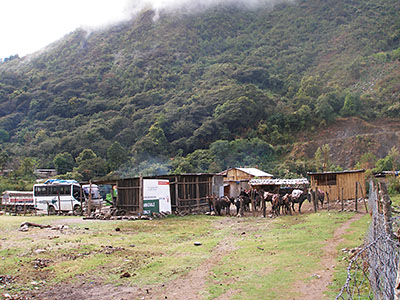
(200, 92)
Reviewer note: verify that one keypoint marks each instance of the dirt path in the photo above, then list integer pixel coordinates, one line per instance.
(192, 285)
(314, 289)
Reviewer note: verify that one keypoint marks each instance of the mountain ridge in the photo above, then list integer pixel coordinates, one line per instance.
(166, 89)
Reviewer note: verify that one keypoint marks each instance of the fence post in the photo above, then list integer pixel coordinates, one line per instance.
(80, 197)
(140, 195)
(387, 210)
(327, 199)
(314, 199)
(356, 197)
(362, 194)
(342, 201)
(397, 286)
(264, 207)
(253, 202)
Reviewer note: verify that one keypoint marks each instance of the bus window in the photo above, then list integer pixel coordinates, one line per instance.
(40, 191)
(53, 191)
(76, 192)
(67, 190)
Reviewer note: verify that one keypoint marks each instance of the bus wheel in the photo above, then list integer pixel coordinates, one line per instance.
(51, 210)
(19, 208)
(77, 210)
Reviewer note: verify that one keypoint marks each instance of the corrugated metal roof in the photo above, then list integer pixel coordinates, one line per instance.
(338, 172)
(255, 172)
(297, 181)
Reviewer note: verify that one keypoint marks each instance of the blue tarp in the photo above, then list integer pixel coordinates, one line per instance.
(55, 181)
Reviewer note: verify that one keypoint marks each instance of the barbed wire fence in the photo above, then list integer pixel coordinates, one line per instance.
(373, 271)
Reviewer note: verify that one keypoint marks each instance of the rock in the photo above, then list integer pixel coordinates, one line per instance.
(117, 229)
(24, 228)
(38, 251)
(125, 275)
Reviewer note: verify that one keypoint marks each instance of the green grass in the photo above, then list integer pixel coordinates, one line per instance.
(353, 238)
(270, 260)
(262, 259)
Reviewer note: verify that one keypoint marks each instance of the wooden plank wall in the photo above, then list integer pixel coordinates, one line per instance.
(347, 181)
(128, 197)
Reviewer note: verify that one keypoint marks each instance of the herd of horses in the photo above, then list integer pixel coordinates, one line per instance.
(281, 203)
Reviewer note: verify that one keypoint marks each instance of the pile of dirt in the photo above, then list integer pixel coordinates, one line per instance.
(349, 139)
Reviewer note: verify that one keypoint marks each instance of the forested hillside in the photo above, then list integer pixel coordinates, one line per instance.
(201, 92)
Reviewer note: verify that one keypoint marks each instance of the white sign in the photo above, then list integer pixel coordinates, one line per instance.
(158, 189)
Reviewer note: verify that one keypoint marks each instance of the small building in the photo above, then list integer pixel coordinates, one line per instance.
(188, 192)
(45, 173)
(340, 183)
(236, 179)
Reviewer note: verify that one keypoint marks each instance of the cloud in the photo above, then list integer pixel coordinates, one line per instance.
(194, 6)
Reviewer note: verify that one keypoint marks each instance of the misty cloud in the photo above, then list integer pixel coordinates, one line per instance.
(195, 6)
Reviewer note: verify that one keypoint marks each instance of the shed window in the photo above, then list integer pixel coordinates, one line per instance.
(326, 179)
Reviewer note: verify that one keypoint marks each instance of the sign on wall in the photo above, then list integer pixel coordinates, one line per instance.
(153, 190)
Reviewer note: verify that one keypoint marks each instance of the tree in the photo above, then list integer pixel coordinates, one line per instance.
(321, 158)
(64, 162)
(85, 155)
(3, 160)
(26, 168)
(116, 155)
(351, 105)
(89, 165)
(4, 135)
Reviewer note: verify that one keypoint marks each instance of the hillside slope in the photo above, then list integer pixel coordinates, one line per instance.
(167, 88)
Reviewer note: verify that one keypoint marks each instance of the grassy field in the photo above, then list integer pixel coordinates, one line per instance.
(258, 258)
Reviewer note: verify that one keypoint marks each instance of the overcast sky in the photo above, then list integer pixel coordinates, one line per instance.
(27, 26)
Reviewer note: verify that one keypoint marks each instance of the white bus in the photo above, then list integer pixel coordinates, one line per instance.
(57, 195)
(17, 201)
(96, 200)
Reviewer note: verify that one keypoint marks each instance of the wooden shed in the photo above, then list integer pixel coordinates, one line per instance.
(188, 191)
(236, 179)
(339, 183)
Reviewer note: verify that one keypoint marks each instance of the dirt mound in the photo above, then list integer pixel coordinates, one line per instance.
(348, 139)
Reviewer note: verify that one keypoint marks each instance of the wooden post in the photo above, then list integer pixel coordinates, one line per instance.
(314, 200)
(197, 193)
(397, 286)
(356, 197)
(140, 195)
(264, 207)
(362, 195)
(117, 197)
(342, 201)
(241, 206)
(89, 200)
(184, 192)
(80, 196)
(327, 199)
(59, 202)
(253, 202)
(176, 193)
(387, 209)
